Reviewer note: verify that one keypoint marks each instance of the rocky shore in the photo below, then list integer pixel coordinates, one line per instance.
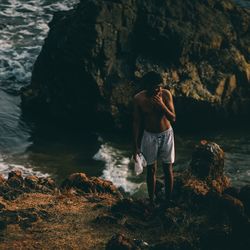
(90, 213)
(95, 55)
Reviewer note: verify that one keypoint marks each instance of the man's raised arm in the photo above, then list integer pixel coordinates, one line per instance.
(166, 104)
(169, 110)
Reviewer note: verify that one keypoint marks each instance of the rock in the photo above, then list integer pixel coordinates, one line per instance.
(15, 179)
(15, 173)
(92, 67)
(232, 206)
(207, 160)
(89, 185)
(15, 182)
(2, 179)
(120, 242)
(244, 196)
(48, 183)
(16, 185)
(12, 193)
(31, 181)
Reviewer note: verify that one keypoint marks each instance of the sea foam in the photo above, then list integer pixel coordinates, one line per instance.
(116, 167)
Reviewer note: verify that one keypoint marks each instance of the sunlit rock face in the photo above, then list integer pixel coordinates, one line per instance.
(95, 55)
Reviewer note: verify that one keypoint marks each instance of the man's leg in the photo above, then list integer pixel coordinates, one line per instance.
(151, 179)
(169, 179)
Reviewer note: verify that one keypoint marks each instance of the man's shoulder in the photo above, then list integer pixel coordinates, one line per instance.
(167, 93)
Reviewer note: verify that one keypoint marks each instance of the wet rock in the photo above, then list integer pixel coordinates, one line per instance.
(83, 183)
(120, 242)
(245, 198)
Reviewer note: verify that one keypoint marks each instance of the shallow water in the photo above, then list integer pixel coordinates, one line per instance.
(45, 150)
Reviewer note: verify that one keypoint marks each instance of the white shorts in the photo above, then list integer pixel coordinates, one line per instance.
(158, 145)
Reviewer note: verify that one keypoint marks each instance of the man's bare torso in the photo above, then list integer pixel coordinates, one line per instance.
(153, 118)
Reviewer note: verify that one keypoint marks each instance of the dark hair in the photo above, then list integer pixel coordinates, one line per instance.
(151, 79)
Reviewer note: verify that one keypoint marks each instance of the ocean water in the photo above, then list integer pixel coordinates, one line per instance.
(48, 151)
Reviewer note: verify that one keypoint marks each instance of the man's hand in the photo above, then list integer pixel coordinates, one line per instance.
(158, 101)
(168, 109)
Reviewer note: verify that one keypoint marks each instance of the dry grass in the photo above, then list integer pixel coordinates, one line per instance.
(69, 225)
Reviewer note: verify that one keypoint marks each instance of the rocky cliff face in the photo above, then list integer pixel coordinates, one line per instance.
(94, 56)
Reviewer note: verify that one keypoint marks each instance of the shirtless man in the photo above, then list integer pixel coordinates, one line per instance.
(153, 112)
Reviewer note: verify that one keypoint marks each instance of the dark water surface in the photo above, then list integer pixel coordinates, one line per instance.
(47, 150)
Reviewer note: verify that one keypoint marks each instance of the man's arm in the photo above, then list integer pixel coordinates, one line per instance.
(136, 127)
(165, 102)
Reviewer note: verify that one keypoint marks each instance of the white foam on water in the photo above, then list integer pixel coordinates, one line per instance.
(5, 168)
(24, 23)
(116, 167)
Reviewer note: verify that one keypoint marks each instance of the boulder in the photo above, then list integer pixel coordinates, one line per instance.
(95, 55)
(207, 160)
(204, 175)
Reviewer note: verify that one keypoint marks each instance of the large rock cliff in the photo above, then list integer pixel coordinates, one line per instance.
(94, 56)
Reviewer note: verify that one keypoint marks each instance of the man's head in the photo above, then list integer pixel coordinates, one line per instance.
(152, 82)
